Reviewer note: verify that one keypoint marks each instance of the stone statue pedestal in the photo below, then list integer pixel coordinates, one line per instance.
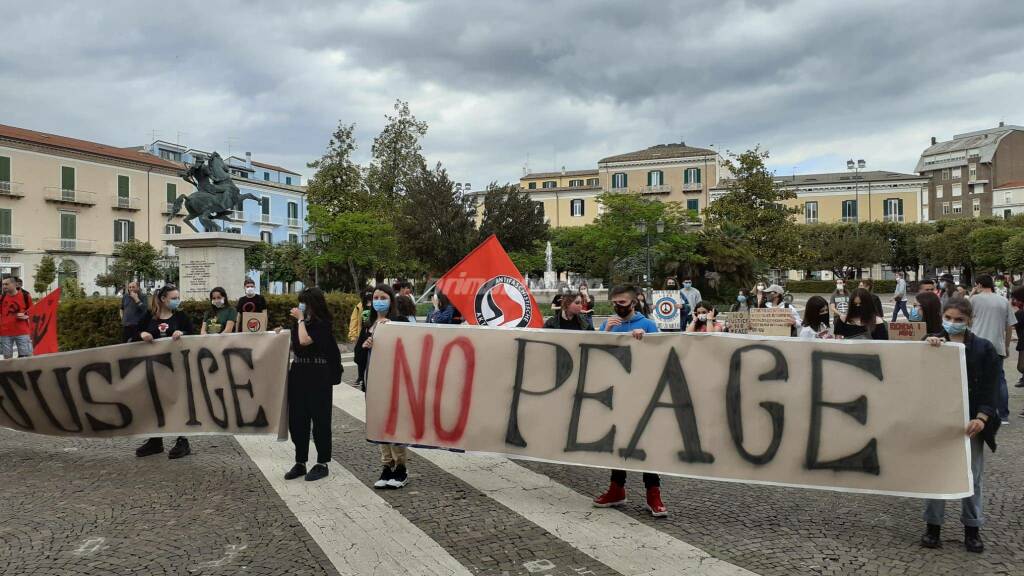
(210, 259)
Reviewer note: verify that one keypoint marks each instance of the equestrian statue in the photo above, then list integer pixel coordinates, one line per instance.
(215, 197)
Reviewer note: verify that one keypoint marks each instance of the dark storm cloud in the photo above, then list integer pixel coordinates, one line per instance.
(564, 83)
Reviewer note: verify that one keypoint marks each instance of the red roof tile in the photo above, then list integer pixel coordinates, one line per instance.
(131, 155)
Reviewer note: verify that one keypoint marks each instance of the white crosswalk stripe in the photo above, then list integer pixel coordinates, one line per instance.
(606, 535)
(360, 533)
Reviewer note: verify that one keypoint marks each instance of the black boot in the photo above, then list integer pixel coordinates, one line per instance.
(972, 539)
(181, 449)
(933, 537)
(152, 446)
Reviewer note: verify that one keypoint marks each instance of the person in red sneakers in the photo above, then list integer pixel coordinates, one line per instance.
(628, 319)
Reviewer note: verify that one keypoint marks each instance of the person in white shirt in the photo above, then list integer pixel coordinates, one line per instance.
(899, 297)
(775, 294)
(994, 320)
(691, 294)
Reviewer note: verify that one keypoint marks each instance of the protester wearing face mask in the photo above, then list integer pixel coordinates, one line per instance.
(444, 312)
(929, 311)
(776, 299)
(570, 317)
(816, 315)
(862, 321)
(316, 367)
(760, 299)
(691, 294)
(628, 320)
(587, 309)
(221, 317)
(392, 456)
(704, 319)
(134, 305)
(683, 305)
(982, 382)
(839, 302)
(993, 320)
(165, 319)
(742, 303)
(251, 302)
(947, 288)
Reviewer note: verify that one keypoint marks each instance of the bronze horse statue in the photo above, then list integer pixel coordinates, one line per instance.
(216, 195)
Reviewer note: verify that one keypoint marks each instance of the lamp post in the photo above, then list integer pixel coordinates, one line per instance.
(644, 228)
(856, 168)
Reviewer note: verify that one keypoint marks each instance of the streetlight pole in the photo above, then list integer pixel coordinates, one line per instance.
(856, 168)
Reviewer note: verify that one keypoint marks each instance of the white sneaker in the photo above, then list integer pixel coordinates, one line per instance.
(399, 477)
(385, 477)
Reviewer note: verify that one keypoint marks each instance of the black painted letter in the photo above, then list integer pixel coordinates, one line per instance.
(866, 459)
(733, 407)
(563, 369)
(607, 444)
(246, 355)
(7, 382)
(65, 391)
(103, 369)
(125, 365)
(204, 354)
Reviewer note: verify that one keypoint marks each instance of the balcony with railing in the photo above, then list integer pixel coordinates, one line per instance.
(10, 243)
(657, 189)
(692, 187)
(848, 219)
(893, 218)
(11, 190)
(126, 203)
(63, 196)
(294, 223)
(267, 220)
(69, 245)
(237, 216)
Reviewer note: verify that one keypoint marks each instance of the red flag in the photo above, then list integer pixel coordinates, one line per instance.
(488, 290)
(43, 316)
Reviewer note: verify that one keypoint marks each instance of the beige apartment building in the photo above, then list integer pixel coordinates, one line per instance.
(76, 200)
(870, 196)
(568, 198)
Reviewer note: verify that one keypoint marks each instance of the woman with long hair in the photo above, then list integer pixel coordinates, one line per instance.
(316, 367)
(444, 312)
(570, 316)
(862, 320)
(392, 456)
(165, 320)
(929, 311)
(221, 317)
(982, 385)
(743, 303)
(816, 314)
(760, 299)
(704, 319)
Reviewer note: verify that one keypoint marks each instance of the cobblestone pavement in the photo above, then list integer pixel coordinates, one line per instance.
(89, 507)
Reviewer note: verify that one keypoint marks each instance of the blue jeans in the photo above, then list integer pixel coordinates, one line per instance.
(1004, 394)
(22, 342)
(970, 507)
(901, 305)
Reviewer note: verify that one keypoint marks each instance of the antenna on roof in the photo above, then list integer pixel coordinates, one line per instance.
(228, 142)
(178, 139)
(153, 134)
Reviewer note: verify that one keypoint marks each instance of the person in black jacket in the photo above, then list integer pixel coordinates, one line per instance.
(861, 320)
(570, 317)
(165, 320)
(315, 368)
(982, 385)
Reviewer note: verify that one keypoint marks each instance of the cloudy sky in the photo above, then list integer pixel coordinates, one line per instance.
(506, 84)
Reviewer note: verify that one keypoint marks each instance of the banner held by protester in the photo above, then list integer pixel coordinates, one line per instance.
(222, 384)
(845, 416)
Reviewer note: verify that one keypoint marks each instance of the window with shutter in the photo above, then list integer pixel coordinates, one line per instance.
(67, 178)
(5, 169)
(5, 222)
(123, 185)
(118, 231)
(265, 204)
(172, 193)
(68, 225)
(131, 230)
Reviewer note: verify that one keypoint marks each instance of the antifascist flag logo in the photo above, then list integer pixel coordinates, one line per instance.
(504, 302)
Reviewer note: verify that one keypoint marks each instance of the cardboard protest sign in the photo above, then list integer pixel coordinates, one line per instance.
(770, 321)
(666, 314)
(221, 384)
(253, 322)
(914, 331)
(738, 322)
(43, 316)
(487, 288)
(838, 415)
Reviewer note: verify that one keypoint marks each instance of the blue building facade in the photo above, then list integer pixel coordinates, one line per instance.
(279, 217)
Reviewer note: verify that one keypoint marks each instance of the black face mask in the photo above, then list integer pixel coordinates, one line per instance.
(624, 311)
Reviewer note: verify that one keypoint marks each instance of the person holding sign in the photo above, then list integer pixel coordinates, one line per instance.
(704, 319)
(221, 317)
(775, 295)
(742, 302)
(165, 320)
(570, 317)
(251, 302)
(628, 320)
(393, 457)
(982, 386)
(862, 321)
(314, 370)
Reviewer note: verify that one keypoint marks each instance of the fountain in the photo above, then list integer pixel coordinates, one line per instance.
(550, 276)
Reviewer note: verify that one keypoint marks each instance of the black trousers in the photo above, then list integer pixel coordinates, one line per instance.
(129, 333)
(650, 480)
(309, 402)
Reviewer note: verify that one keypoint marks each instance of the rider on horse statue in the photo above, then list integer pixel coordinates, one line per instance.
(215, 197)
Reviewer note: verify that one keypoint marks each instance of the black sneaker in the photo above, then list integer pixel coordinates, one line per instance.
(972, 540)
(1019, 384)
(399, 477)
(317, 472)
(298, 470)
(181, 449)
(385, 475)
(933, 537)
(152, 446)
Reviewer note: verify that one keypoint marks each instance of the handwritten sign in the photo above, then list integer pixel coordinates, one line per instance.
(837, 415)
(253, 322)
(770, 321)
(666, 313)
(914, 331)
(738, 322)
(228, 384)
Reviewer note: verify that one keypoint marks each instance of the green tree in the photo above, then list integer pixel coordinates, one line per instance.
(397, 156)
(986, 246)
(1013, 252)
(729, 254)
(948, 246)
(362, 243)
(510, 213)
(289, 263)
(133, 260)
(755, 204)
(844, 249)
(46, 273)
(436, 222)
(337, 186)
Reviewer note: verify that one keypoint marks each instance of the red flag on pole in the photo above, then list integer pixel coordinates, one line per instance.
(43, 317)
(488, 290)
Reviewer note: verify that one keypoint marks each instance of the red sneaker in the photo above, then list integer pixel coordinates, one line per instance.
(614, 496)
(654, 504)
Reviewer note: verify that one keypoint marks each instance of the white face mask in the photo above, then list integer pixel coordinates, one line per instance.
(702, 317)
(218, 303)
(250, 291)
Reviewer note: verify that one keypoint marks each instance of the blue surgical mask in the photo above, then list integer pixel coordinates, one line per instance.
(174, 303)
(687, 284)
(741, 298)
(915, 315)
(302, 307)
(954, 328)
(381, 306)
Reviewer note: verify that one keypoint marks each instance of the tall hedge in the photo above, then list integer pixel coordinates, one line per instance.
(829, 286)
(92, 322)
